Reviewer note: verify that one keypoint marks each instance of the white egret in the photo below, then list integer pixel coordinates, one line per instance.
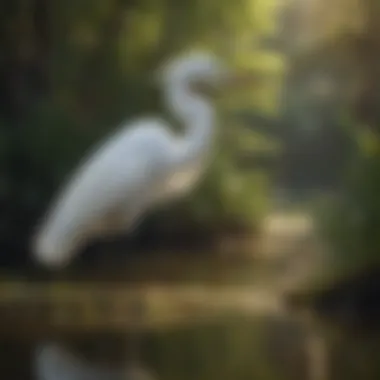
(141, 165)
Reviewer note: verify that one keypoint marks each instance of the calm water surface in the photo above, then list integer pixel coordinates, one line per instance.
(231, 347)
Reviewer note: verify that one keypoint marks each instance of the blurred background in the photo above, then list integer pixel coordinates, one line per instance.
(270, 269)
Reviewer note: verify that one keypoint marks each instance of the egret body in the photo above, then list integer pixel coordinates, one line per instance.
(141, 165)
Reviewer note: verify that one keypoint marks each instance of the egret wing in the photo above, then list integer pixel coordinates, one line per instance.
(114, 183)
(121, 175)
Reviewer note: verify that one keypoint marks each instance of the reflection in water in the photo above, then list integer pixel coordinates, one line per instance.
(54, 362)
(229, 348)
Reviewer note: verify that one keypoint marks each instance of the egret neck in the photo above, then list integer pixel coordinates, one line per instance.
(197, 115)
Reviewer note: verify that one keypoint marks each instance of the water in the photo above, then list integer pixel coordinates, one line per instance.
(218, 334)
(247, 341)
(235, 344)
(233, 347)
(238, 348)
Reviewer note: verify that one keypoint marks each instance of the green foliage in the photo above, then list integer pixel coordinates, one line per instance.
(348, 40)
(351, 222)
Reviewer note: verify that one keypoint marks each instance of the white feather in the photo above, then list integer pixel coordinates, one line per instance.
(140, 165)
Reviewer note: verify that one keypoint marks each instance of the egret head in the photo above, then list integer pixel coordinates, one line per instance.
(201, 72)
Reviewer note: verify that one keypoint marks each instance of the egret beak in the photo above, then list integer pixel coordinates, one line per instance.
(230, 83)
